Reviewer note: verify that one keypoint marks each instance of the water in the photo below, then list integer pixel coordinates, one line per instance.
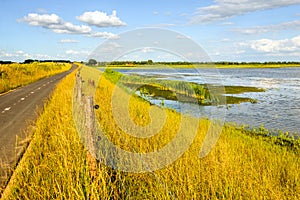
(277, 108)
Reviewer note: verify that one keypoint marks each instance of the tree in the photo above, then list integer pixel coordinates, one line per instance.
(28, 61)
(150, 62)
(92, 62)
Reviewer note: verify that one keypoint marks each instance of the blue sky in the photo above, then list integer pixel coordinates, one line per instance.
(227, 30)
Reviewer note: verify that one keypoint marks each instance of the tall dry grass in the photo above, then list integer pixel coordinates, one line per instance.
(15, 75)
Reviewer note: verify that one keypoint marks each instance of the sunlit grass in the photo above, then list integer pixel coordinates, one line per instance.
(16, 75)
(56, 165)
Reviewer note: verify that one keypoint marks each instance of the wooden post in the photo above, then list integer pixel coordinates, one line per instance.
(87, 123)
(78, 88)
(90, 124)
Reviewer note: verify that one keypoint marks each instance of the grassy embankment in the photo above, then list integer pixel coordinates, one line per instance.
(241, 166)
(16, 75)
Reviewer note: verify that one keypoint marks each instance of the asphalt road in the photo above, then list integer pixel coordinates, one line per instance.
(18, 108)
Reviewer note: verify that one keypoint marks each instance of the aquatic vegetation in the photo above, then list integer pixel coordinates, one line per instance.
(202, 94)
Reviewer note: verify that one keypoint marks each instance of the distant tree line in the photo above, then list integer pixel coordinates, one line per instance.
(5, 62)
(54, 61)
(146, 62)
(28, 61)
(255, 63)
(93, 62)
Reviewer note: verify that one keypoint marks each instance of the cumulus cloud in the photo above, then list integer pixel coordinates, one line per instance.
(105, 35)
(224, 9)
(274, 46)
(101, 19)
(55, 23)
(271, 28)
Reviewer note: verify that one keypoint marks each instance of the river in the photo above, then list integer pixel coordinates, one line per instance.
(278, 108)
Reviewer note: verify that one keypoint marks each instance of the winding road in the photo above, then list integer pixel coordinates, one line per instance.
(17, 109)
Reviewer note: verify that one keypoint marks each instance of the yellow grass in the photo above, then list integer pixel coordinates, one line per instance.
(56, 165)
(16, 75)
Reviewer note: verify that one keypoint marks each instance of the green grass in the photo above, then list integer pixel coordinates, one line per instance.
(243, 165)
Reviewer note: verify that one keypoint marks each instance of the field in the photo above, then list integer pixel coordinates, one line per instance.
(17, 75)
(243, 165)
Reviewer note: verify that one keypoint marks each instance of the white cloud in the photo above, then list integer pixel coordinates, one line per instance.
(296, 41)
(74, 52)
(105, 35)
(20, 56)
(271, 28)
(55, 23)
(228, 23)
(20, 52)
(147, 50)
(274, 46)
(101, 19)
(58, 25)
(68, 41)
(240, 52)
(110, 47)
(12, 56)
(69, 28)
(161, 25)
(224, 9)
(44, 20)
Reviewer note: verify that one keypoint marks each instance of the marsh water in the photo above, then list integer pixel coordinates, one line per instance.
(278, 108)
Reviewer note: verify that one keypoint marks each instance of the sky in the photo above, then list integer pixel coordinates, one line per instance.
(227, 30)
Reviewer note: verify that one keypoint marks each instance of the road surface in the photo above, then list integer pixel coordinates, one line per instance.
(17, 109)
